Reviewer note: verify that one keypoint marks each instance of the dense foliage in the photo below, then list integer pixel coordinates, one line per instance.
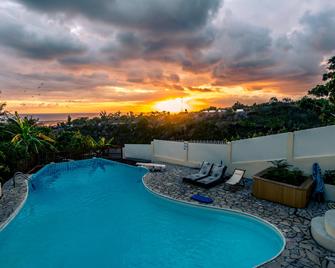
(327, 90)
(282, 172)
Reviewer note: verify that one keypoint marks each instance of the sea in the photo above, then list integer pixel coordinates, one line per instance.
(53, 119)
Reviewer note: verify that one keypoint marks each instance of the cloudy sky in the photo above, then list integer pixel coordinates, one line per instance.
(93, 55)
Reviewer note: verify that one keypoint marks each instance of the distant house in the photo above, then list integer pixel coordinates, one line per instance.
(240, 111)
(215, 111)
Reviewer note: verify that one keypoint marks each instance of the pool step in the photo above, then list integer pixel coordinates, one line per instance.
(330, 222)
(319, 232)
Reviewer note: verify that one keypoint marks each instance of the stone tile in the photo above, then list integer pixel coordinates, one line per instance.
(12, 198)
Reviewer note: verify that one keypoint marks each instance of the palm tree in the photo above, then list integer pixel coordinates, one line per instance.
(27, 135)
(102, 144)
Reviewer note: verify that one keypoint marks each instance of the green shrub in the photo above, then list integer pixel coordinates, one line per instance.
(281, 172)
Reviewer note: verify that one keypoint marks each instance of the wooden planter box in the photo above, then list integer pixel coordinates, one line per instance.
(286, 194)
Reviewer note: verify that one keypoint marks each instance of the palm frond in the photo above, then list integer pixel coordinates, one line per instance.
(45, 137)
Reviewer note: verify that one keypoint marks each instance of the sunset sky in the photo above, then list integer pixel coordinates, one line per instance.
(142, 55)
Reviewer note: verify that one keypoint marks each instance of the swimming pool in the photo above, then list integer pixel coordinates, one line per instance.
(98, 213)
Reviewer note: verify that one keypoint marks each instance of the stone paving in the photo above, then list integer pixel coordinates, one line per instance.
(12, 198)
(300, 251)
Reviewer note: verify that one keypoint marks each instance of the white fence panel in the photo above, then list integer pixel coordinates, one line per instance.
(301, 149)
(198, 152)
(273, 147)
(170, 149)
(314, 142)
(138, 151)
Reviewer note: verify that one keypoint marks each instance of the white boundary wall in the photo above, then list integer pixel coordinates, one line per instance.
(198, 152)
(170, 151)
(301, 149)
(314, 142)
(138, 151)
(265, 148)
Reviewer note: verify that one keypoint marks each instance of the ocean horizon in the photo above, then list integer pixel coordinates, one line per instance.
(58, 117)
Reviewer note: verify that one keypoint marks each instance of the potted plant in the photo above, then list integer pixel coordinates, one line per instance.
(283, 184)
(329, 179)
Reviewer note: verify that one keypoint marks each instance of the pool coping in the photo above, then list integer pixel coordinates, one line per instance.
(216, 208)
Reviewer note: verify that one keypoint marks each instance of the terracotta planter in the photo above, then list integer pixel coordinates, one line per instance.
(330, 192)
(286, 194)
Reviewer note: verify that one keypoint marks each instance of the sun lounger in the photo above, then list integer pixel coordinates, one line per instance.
(236, 179)
(152, 166)
(204, 172)
(216, 177)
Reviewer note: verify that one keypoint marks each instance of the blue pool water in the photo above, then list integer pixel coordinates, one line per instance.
(97, 213)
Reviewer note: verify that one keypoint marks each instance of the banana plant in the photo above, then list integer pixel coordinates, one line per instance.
(102, 144)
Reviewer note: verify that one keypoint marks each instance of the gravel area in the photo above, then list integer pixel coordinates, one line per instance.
(12, 199)
(300, 251)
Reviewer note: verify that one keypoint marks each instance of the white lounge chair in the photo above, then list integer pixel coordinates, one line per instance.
(236, 179)
(204, 171)
(152, 166)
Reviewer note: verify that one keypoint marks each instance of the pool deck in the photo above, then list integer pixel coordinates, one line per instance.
(300, 251)
(12, 200)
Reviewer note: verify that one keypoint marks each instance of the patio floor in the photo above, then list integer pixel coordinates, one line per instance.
(300, 251)
(12, 199)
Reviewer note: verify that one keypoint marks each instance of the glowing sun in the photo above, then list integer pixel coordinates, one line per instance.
(173, 105)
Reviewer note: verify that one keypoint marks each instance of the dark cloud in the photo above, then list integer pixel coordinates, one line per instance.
(174, 78)
(37, 43)
(198, 89)
(80, 60)
(135, 76)
(176, 48)
(253, 54)
(255, 88)
(318, 30)
(48, 82)
(153, 15)
(156, 74)
(177, 87)
(246, 39)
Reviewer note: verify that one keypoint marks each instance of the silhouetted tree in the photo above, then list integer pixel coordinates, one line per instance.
(326, 90)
